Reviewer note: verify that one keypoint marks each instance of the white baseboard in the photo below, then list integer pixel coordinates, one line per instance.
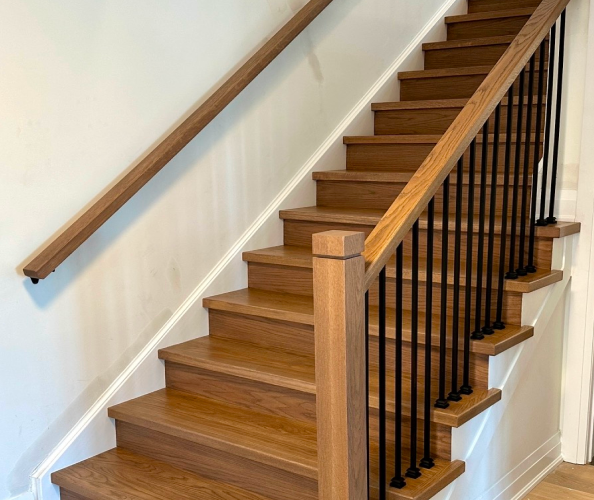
(527, 474)
(40, 476)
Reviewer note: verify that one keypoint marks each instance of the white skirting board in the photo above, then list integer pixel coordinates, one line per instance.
(95, 432)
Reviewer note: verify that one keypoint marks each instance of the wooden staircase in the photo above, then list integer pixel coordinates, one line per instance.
(237, 419)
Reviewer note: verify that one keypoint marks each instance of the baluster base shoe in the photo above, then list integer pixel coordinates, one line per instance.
(413, 473)
(427, 463)
(398, 483)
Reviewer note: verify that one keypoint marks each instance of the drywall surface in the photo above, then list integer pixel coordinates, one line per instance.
(508, 448)
(87, 89)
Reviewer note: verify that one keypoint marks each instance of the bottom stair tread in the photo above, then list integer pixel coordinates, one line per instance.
(120, 474)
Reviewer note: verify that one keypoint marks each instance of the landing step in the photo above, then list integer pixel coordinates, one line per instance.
(370, 217)
(299, 309)
(276, 441)
(121, 474)
(265, 365)
(292, 256)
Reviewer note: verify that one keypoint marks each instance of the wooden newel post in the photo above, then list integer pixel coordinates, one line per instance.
(339, 301)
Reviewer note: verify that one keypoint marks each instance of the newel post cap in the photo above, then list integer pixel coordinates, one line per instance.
(338, 244)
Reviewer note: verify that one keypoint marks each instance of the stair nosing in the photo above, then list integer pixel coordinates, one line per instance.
(469, 42)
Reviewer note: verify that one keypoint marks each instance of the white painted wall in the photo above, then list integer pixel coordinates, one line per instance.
(87, 88)
(508, 448)
(577, 423)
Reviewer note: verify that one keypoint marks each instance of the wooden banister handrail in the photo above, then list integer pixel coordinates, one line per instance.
(415, 196)
(69, 240)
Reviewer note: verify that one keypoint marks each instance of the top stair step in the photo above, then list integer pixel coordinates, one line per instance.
(119, 473)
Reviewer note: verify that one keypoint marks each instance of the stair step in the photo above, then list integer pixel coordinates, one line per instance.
(407, 152)
(121, 474)
(301, 257)
(446, 83)
(279, 442)
(219, 356)
(488, 24)
(464, 53)
(431, 117)
(299, 309)
(348, 189)
(475, 6)
(370, 217)
(429, 484)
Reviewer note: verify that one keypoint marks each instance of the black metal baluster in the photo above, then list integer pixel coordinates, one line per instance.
(454, 393)
(499, 325)
(413, 471)
(521, 270)
(530, 267)
(542, 221)
(398, 480)
(478, 331)
(382, 385)
(367, 386)
(551, 219)
(511, 273)
(442, 402)
(488, 328)
(466, 388)
(427, 462)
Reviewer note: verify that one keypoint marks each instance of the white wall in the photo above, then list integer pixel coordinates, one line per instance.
(577, 424)
(509, 447)
(87, 88)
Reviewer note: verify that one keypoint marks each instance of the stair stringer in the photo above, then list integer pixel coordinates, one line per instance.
(528, 415)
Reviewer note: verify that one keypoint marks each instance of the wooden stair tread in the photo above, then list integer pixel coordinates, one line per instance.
(292, 256)
(430, 483)
(273, 440)
(496, 14)
(384, 177)
(409, 139)
(266, 365)
(432, 104)
(370, 217)
(121, 474)
(470, 42)
(445, 72)
(272, 305)
(282, 306)
(271, 366)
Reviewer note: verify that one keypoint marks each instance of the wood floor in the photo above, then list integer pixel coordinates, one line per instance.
(567, 482)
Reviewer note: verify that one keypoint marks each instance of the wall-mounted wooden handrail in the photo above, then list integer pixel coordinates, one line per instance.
(415, 196)
(69, 240)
